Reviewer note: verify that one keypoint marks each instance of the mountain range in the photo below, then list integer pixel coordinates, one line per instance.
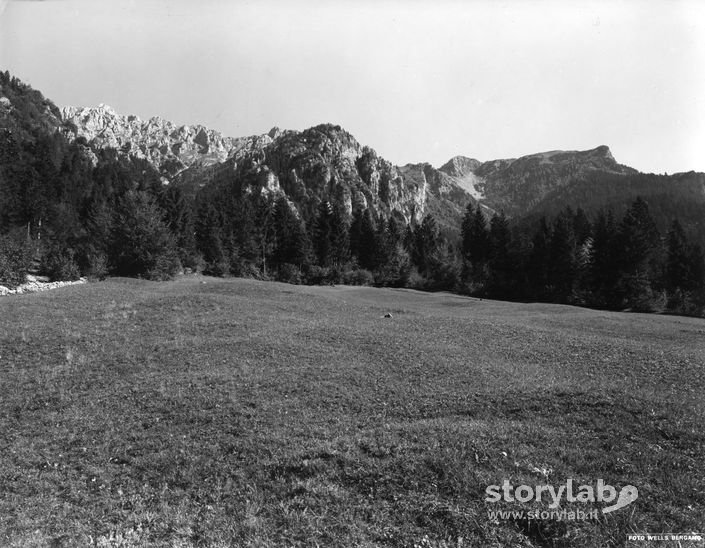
(326, 162)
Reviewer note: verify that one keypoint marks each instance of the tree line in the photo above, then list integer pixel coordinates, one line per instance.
(68, 210)
(602, 262)
(67, 217)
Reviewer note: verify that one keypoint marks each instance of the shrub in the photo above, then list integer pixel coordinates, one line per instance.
(163, 267)
(220, 268)
(688, 303)
(250, 270)
(289, 273)
(97, 266)
(443, 276)
(358, 277)
(317, 275)
(416, 280)
(15, 259)
(60, 265)
(192, 260)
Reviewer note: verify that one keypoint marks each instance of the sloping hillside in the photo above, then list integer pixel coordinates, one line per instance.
(208, 412)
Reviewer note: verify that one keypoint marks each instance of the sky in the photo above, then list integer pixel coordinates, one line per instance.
(417, 80)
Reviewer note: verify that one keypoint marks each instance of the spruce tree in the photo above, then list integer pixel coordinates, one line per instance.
(142, 244)
(476, 241)
(604, 266)
(209, 239)
(427, 243)
(363, 239)
(322, 232)
(561, 265)
(539, 262)
(500, 260)
(291, 241)
(638, 242)
(339, 238)
(678, 261)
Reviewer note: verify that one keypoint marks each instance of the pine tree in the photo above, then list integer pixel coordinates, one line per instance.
(179, 219)
(582, 228)
(264, 234)
(363, 239)
(539, 262)
(677, 265)
(339, 238)
(500, 260)
(209, 239)
(291, 241)
(684, 272)
(476, 241)
(604, 266)
(427, 243)
(638, 242)
(561, 271)
(356, 232)
(322, 232)
(142, 243)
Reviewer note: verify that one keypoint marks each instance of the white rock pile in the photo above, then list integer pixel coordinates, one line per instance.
(36, 283)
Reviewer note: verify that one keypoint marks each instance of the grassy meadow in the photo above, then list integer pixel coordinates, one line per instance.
(211, 412)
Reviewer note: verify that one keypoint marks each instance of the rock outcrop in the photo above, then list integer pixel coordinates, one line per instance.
(35, 284)
(321, 163)
(169, 147)
(516, 185)
(325, 162)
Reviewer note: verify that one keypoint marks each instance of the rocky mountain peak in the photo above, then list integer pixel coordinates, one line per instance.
(169, 147)
(604, 152)
(460, 166)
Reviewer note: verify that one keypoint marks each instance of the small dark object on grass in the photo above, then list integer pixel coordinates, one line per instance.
(388, 315)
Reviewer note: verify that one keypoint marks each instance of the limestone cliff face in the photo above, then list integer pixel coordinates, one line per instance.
(327, 163)
(321, 163)
(169, 147)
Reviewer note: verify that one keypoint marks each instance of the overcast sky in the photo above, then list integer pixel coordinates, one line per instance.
(416, 80)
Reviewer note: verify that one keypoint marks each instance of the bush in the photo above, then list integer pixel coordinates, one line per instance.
(289, 273)
(251, 271)
(60, 265)
(639, 296)
(443, 276)
(317, 275)
(416, 280)
(97, 266)
(358, 277)
(163, 267)
(688, 303)
(193, 261)
(15, 259)
(220, 269)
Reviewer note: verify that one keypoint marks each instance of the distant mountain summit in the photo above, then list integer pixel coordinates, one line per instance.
(515, 185)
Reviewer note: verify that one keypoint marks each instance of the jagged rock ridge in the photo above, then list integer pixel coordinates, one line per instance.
(171, 148)
(327, 163)
(321, 163)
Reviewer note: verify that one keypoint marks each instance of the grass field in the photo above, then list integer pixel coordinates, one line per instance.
(208, 412)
